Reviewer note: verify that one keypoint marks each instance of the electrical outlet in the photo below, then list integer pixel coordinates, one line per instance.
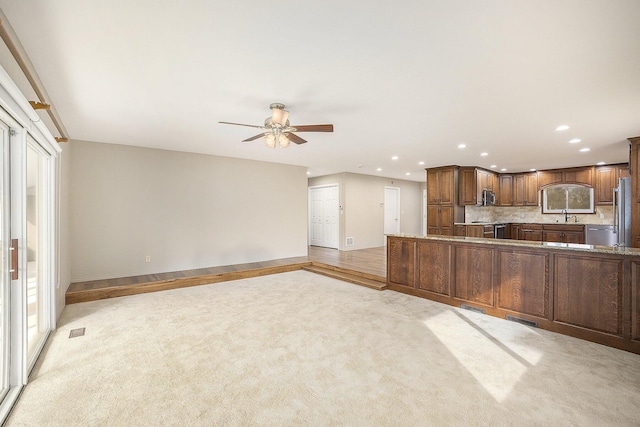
(147, 258)
(601, 216)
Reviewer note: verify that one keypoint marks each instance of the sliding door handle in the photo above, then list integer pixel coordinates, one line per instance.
(14, 259)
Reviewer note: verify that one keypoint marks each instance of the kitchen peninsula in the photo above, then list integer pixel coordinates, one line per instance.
(589, 292)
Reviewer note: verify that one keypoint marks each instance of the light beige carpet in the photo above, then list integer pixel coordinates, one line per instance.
(299, 349)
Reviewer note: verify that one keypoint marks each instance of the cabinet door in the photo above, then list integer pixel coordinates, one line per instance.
(579, 176)
(475, 231)
(505, 194)
(468, 189)
(531, 183)
(605, 183)
(460, 230)
(552, 236)
(515, 231)
(446, 220)
(446, 180)
(573, 237)
(402, 261)
(433, 187)
(519, 190)
(530, 234)
(549, 177)
(433, 217)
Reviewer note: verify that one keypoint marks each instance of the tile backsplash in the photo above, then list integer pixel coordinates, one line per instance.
(532, 214)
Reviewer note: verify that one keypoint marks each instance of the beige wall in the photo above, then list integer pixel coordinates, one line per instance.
(183, 210)
(362, 199)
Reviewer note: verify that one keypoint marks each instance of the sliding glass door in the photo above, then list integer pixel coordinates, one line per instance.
(5, 256)
(38, 300)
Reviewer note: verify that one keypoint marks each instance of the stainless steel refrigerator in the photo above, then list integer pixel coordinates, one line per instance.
(619, 233)
(622, 212)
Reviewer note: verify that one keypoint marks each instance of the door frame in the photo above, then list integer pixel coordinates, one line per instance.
(24, 122)
(337, 207)
(384, 220)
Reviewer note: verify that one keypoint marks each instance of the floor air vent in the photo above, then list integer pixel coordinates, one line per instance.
(523, 321)
(76, 333)
(476, 309)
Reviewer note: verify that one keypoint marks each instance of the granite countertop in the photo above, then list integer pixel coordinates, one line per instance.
(531, 244)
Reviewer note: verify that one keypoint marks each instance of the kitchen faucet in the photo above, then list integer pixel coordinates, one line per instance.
(566, 215)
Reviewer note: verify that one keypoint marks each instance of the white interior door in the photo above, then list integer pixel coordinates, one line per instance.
(391, 210)
(324, 216)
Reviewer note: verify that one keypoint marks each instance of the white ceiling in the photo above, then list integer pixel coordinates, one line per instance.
(407, 78)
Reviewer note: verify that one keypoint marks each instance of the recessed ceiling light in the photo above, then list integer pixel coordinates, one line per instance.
(421, 163)
(462, 145)
(503, 169)
(408, 173)
(532, 170)
(394, 158)
(584, 150)
(575, 141)
(379, 169)
(601, 163)
(493, 166)
(562, 127)
(484, 153)
(308, 173)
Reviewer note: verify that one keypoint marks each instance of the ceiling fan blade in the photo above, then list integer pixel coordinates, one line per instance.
(260, 135)
(314, 128)
(295, 138)
(242, 124)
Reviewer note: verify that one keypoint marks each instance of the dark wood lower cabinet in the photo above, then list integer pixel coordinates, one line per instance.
(635, 301)
(474, 274)
(589, 294)
(403, 254)
(524, 282)
(434, 267)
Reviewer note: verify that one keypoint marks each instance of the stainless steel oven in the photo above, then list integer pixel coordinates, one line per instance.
(498, 231)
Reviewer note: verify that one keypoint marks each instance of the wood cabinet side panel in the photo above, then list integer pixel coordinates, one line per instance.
(523, 280)
(401, 254)
(474, 274)
(635, 301)
(588, 292)
(434, 267)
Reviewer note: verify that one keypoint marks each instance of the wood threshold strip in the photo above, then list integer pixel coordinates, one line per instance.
(84, 295)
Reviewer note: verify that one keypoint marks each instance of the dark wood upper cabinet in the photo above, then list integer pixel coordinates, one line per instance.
(472, 182)
(441, 185)
(525, 189)
(605, 180)
(505, 190)
(549, 178)
(442, 200)
(583, 176)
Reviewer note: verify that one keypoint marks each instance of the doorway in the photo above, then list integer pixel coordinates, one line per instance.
(27, 271)
(324, 208)
(391, 210)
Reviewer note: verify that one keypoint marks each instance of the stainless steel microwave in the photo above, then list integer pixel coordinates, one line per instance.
(488, 198)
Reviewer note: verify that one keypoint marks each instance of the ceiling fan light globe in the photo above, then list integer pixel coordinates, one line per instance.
(270, 140)
(280, 117)
(284, 141)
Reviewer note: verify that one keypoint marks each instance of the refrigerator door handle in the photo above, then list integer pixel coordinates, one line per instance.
(615, 210)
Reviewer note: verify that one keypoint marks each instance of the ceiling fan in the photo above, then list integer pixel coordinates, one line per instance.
(277, 128)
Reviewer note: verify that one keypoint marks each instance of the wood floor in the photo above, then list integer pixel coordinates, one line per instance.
(367, 267)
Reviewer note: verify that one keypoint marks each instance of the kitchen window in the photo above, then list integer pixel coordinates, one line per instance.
(567, 198)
